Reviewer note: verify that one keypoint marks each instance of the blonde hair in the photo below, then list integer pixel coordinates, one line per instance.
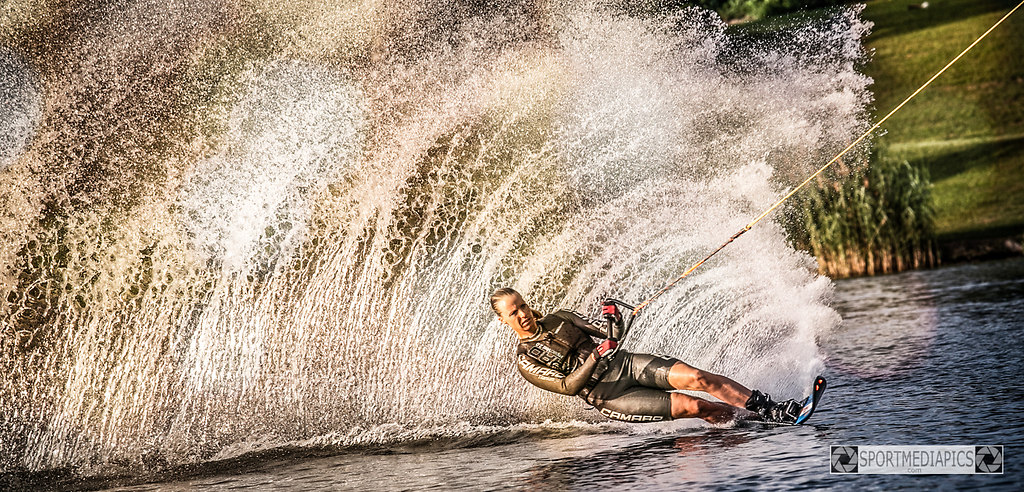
(500, 293)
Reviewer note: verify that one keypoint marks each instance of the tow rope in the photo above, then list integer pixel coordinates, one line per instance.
(746, 228)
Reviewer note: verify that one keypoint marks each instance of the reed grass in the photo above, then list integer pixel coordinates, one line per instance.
(881, 220)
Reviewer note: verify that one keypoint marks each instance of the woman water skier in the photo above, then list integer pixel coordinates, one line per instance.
(556, 353)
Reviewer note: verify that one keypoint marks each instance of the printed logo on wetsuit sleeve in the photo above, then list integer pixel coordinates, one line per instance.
(601, 324)
(591, 321)
(542, 372)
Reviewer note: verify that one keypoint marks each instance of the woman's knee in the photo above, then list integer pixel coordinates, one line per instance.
(703, 380)
(686, 377)
(684, 406)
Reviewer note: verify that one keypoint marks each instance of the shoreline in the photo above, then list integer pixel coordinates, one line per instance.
(959, 251)
(969, 250)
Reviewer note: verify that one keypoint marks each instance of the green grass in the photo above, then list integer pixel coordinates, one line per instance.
(978, 184)
(967, 128)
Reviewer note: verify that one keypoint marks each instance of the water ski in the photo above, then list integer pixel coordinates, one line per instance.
(811, 402)
(807, 408)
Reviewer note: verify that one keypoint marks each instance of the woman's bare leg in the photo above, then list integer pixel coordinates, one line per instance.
(686, 406)
(685, 377)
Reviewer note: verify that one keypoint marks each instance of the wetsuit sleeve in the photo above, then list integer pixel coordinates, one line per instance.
(593, 328)
(550, 379)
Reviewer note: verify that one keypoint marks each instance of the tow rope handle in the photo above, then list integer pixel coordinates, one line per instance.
(627, 322)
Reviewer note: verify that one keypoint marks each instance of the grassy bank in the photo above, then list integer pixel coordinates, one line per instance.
(967, 128)
(965, 132)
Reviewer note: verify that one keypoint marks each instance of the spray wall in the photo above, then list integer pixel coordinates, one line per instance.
(235, 225)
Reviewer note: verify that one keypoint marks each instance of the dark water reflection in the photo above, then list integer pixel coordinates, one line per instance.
(930, 357)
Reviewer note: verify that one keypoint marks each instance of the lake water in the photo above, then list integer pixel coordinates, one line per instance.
(922, 358)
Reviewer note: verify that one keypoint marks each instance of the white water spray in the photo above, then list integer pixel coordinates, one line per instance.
(20, 100)
(307, 260)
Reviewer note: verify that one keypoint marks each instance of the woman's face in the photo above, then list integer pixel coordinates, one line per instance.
(514, 312)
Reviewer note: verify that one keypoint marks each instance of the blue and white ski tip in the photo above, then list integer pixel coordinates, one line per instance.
(812, 401)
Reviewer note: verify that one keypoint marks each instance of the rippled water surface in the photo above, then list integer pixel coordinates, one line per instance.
(929, 357)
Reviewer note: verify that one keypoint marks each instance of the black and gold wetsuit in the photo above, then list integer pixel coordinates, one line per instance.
(629, 387)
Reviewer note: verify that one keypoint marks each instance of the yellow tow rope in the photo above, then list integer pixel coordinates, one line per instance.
(823, 168)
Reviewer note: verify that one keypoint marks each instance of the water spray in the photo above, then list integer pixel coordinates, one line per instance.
(307, 240)
(820, 170)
